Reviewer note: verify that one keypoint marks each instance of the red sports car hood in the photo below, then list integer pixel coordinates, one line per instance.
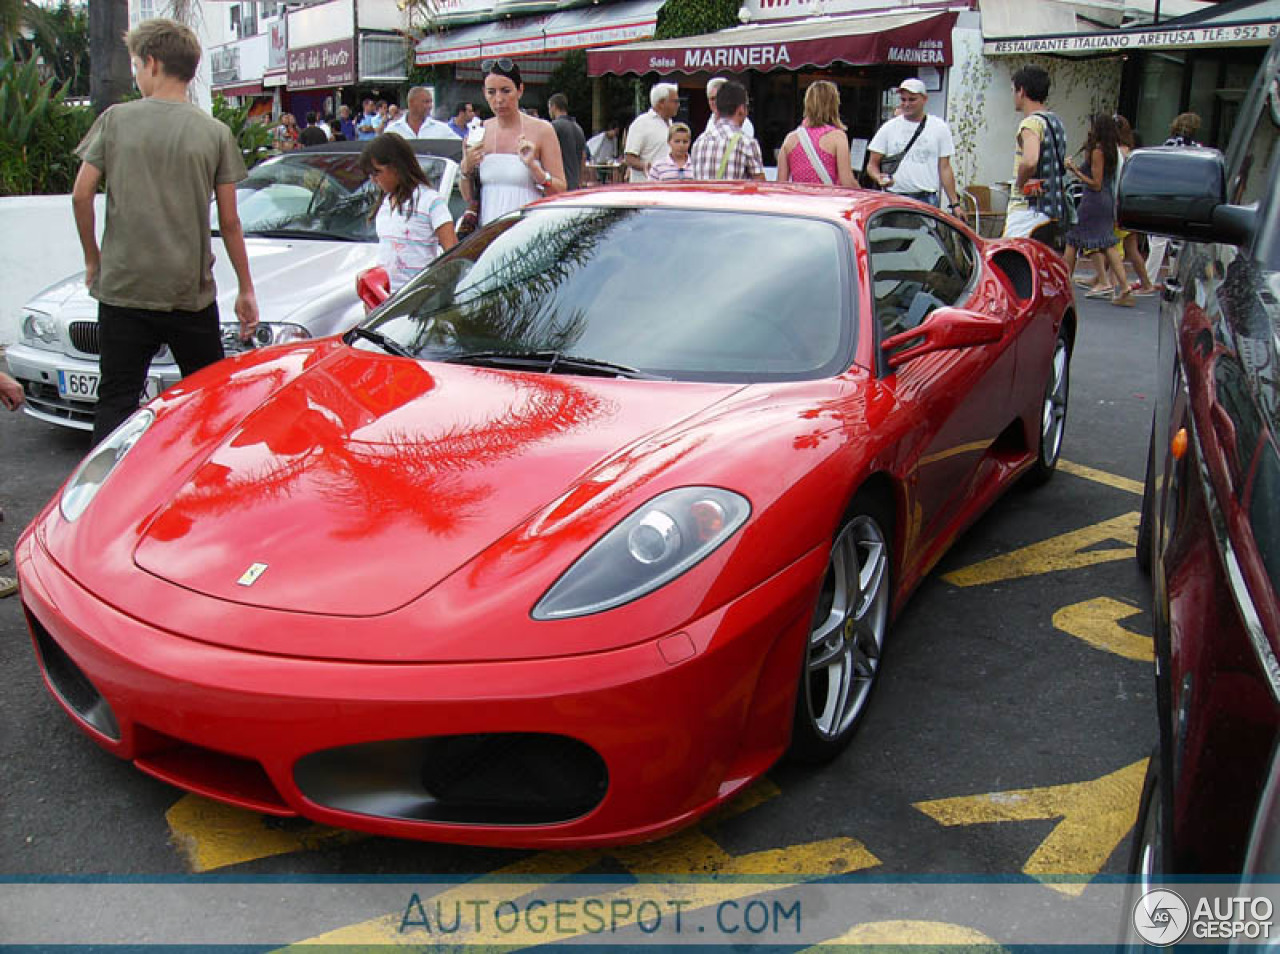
(367, 480)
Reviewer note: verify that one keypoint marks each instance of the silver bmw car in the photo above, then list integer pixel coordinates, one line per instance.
(308, 233)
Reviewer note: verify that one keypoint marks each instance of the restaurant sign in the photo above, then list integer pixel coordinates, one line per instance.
(323, 65)
(926, 42)
(1244, 34)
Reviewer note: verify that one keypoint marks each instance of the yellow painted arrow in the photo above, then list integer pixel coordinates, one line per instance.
(1068, 551)
(1095, 817)
(213, 835)
(1097, 622)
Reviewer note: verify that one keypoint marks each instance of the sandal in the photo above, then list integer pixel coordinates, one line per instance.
(1084, 282)
(1125, 301)
(1143, 292)
(5, 557)
(1099, 292)
(8, 586)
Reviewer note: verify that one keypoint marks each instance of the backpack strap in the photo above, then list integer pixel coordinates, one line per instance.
(728, 151)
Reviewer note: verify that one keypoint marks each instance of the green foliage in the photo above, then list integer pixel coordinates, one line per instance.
(38, 132)
(570, 78)
(68, 53)
(690, 17)
(253, 137)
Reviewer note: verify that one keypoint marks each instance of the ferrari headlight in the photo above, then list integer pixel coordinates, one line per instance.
(40, 331)
(97, 467)
(670, 534)
(267, 333)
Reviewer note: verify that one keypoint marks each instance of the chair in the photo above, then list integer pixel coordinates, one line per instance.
(987, 221)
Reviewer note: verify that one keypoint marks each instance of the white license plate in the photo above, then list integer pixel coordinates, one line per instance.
(78, 385)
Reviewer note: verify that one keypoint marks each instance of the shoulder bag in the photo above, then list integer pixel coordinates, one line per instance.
(814, 159)
(889, 164)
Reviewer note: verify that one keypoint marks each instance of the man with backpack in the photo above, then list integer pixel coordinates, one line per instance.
(1038, 203)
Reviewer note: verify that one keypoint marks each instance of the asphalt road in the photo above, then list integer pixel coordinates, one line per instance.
(1019, 675)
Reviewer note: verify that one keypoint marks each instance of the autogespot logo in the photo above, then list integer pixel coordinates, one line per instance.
(1161, 917)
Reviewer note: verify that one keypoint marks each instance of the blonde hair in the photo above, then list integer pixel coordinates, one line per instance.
(822, 105)
(171, 44)
(679, 127)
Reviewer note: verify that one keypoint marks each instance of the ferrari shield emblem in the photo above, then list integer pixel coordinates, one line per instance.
(251, 575)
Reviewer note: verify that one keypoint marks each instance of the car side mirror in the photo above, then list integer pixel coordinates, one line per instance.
(1181, 192)
(945, 329)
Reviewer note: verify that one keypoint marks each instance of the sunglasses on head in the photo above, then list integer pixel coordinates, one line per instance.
(501, 63)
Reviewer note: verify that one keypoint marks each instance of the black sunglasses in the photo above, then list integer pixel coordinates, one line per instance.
(502, 63)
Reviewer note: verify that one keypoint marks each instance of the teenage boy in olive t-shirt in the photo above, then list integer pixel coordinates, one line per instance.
(162, 158)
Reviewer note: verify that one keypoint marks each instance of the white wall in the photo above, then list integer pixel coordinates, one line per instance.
(980, 103)
(38, 247)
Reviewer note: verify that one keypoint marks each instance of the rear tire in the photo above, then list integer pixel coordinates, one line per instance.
(846, 638)
(1053, 412)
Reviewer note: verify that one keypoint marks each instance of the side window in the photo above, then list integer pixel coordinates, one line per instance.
(918, 264)
(1252, 156)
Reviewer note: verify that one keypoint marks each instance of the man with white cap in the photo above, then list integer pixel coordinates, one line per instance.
(911, 154)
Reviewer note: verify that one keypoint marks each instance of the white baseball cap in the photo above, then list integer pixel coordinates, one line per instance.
(914, 85)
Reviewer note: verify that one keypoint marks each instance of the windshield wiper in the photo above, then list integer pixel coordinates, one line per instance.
(549, 362)
(381, 340)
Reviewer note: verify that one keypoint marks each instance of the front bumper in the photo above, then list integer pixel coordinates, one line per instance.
(680, 723)
(40, 373)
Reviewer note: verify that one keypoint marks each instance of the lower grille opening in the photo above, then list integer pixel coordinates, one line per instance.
(71, 684)
(511, 778)
(226, 778)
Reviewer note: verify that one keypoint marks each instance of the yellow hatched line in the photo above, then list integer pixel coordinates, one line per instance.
(1101, 477)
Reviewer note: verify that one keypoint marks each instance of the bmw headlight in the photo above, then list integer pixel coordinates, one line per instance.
(670, 534)
(267, 333)
(97, 467)
(40, 331)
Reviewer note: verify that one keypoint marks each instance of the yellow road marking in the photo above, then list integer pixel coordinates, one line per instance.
(691, 852)
(1101, 477)
(1095, 817)
(1097, 622)
(1067, 551)
(933, 933)
(213, 835)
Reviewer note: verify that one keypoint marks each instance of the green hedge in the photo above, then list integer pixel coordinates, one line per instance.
(38, 132)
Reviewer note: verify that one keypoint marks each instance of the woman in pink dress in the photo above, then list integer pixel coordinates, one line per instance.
(818, 151)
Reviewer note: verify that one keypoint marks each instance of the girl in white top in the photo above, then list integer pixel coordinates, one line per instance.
(412, 219)
(519, 158)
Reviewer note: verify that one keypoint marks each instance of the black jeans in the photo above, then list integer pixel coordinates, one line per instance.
(129, 338)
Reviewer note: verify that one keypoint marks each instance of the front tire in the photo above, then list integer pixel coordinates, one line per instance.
(846, 638)
(1053, 412)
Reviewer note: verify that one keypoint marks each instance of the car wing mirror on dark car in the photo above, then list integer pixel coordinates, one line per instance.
(1181, 192)
(945, 329)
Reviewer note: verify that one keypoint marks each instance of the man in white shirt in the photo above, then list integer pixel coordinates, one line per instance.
(416, 123)
(713, 86)
(925, 171)
(647, 137)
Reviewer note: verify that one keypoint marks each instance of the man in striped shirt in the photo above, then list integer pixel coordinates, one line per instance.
(724, 151)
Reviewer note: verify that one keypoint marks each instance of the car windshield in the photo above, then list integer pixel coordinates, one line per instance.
(314, 195)
(678, 293)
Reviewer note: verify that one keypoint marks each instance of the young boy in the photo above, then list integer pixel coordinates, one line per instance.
(162, 157)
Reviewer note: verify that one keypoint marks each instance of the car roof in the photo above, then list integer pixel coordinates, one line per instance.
(447, 148)
(742, 196)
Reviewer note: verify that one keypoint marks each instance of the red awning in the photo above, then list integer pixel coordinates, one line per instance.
(241, 89)
(904, 39)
